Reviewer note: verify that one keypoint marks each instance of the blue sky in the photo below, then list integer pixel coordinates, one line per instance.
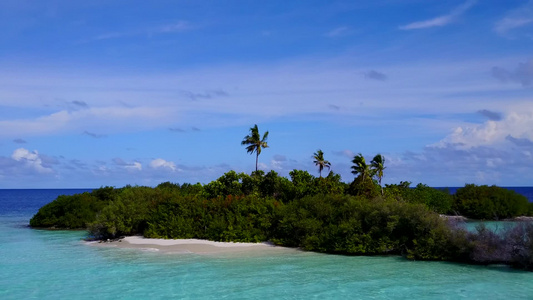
(102, 93)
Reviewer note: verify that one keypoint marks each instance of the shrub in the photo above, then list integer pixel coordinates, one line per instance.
(73, 211)
(127, 214)
(489, 202)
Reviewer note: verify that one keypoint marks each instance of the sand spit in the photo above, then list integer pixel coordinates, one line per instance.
(195, 246)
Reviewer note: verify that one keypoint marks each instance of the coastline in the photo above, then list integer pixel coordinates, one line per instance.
(192, 246)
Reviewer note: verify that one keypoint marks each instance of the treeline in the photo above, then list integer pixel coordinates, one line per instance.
(317, 214)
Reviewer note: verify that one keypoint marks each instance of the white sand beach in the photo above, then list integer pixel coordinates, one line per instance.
(195, 246)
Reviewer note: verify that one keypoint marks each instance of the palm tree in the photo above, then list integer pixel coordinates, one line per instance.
(360, 167)
(378, 165)
(320, 161)
(255, 143)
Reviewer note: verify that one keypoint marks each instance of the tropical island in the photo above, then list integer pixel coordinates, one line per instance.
(322, 214)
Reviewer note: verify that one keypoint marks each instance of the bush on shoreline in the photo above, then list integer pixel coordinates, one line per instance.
(489, 203)
(73, 212)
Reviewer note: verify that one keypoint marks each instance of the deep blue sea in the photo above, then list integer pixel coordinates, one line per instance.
(44, 264)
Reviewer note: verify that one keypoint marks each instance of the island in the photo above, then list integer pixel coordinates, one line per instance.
(322, 214)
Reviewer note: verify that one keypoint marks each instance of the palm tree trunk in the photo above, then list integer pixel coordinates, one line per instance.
(256, 159)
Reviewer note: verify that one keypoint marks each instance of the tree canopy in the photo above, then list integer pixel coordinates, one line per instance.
(320, 161)
(254, 142)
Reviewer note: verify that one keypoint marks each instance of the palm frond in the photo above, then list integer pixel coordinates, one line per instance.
(254, 142)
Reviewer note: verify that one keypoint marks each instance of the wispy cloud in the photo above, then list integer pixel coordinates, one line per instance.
(176, 27)
(441, 20)
(507, 24)
(295, 89)
(514, 19)
(338, 32)
(72, 121)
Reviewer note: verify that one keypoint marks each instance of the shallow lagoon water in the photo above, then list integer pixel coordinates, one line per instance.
(43, 264)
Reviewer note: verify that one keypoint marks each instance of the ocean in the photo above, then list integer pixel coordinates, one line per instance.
(56, 264)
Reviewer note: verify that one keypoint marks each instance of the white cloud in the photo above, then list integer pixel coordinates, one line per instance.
(161, 163)
(31, 160)
(494, 152)
(441, 20)
(517, 124)
(134, 166)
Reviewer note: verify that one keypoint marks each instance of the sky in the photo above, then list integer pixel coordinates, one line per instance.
(110, 93)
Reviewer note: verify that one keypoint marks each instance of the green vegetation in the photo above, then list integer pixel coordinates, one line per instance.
(315, 214)
(490, 202)
(255, 143)
(320, 161)
(378, 166)
(436, 200)
(322, 214)
(73, 212)
(360, 168)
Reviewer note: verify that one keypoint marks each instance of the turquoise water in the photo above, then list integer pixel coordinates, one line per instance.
(495, 226)
(42, 264)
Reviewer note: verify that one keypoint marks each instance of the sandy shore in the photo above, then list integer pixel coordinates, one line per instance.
(192, 246)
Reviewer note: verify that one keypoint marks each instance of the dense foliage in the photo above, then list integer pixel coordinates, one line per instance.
(357, 225)
(436, 200)
(73, 212)
(229, 218)
(489, 202)
(320, 214)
